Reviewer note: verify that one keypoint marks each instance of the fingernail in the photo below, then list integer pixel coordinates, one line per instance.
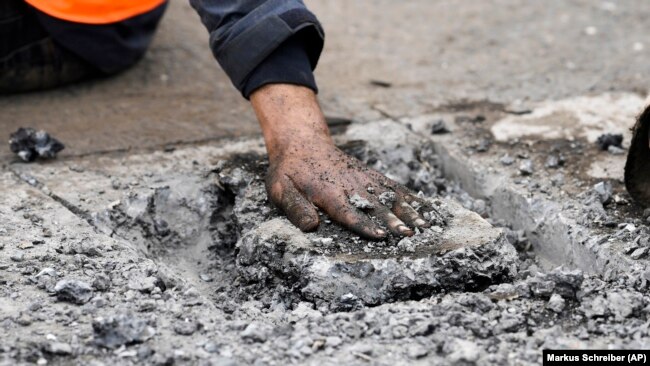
(420, 222)
(307, 223)
(380, 232)
(404, 230)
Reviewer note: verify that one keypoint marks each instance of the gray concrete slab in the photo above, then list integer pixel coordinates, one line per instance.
(150, 235)
(553, 203)
(167, 203)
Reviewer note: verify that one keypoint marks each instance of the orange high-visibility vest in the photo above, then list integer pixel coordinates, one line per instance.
(94, 11)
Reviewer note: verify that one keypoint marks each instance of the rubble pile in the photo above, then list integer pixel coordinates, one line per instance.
(196, 267)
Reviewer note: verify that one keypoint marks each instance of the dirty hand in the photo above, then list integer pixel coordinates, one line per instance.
(307, 169)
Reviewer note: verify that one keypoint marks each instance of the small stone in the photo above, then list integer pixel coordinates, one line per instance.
(144, 352)
(526, 167)
(480, 207)
(254, 333)
(23, 319)
(615, 150)
(507, 160)
(101, 282)
(639, 253)
(556, 303)
(162, 227)
(25, 245)
(557, 180)
(416, 351)
(629, 227)
(223, 361)
(58, 348)
(46, 279)
(30, 144)
(74, 291)
(388, 198)
(98, 301)
(147, 305)
(552, 162)
(192, 293)
(604, 191)
(18, 257)
(146, 284)
(35, 306)
(462, 352)
(327, 241)
(115, 184)
(406, 245)
(121, 330)
(439, 127)
(360, 202)
(619, 200)
(322, 242)
(186, 327)
(211, 347)
(206, 277)
(483, 145)
(333, 341)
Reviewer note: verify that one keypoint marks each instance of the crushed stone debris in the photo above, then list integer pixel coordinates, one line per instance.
(140, 297)
(30, 144)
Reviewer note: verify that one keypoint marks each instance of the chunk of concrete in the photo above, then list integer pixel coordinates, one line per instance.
(467, 254)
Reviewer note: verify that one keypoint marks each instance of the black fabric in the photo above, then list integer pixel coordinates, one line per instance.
(257, 42)
(245, 33)
(109, 47)
(288, 64)
(29, 58)
(18, 26)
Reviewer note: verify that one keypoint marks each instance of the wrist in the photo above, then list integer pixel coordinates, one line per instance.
(290, 117)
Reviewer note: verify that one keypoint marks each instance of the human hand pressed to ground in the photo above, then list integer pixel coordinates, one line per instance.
(307, 171)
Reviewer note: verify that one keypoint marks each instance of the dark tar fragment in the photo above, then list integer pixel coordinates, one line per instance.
(606, 140)
(30, 144)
